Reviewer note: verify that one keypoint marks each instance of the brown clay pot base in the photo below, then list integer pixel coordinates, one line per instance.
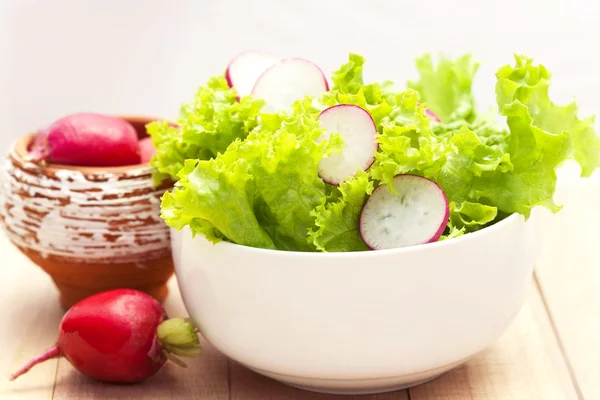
(75, 278)
(76, 281)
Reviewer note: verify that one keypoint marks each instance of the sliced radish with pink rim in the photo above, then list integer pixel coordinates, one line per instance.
(432, 115)
(417, 213)
(245, 69)
(287, 81)
(359, 134)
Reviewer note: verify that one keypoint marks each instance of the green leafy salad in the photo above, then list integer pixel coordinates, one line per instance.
(274, 155)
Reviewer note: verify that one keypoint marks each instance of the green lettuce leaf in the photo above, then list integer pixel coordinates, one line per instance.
(452, 232)
(406, 142)
(446, 87)
(512, 170)
(471, 216)
(516, 180)
(258, 184)
(337, 217)
(206, 127)
(528, 84)
(466, 163)
(261, 191)
(349, 78)
(372, 98)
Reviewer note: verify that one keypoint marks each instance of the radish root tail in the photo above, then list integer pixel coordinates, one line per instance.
(53, 352)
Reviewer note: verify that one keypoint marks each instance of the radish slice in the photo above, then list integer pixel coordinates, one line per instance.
(287, 81)
(418, 213)
(432, 115)
(243, 71)
(359, 134)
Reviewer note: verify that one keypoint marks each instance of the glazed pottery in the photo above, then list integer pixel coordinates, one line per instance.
(90, 228)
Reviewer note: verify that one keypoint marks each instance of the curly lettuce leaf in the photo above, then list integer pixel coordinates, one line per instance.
(171, 151)
(516, 180)
(370, 97)
(263, 189)
(407, 143)
(260, 192)
(528, 84)
(452, 232)
(406, 140)
(471, 216)
(206, 127)
(514, 169)
(178, 217)
(348, 88)
(349, 78)
(337, 217)
(465, 164)
(446, 87)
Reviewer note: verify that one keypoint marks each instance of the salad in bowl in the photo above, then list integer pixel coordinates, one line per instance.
(300, 164)
(352, 237)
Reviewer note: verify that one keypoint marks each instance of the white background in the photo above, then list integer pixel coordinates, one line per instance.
(148, 56)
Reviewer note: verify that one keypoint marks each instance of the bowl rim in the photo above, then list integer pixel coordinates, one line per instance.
(21, 145)
(509, 220)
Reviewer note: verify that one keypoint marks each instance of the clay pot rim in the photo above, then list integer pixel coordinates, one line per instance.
(21, 146)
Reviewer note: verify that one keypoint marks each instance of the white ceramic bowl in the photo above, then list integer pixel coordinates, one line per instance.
(357, 322)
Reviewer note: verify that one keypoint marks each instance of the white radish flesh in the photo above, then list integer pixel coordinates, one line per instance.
(245, 69)
(359, 134)
(287, 81)
(417, 213)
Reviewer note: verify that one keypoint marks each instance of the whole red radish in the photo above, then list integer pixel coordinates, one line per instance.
(146, 150)
(120, 336)
(87, 139)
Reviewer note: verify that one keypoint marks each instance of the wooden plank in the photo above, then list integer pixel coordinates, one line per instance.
(569, 276)
(248, 385)
(205, 377)
(29, 315)
(524, 364)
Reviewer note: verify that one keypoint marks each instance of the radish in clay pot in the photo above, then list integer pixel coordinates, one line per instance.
(120, 336)
(87, 139)
(146, 150)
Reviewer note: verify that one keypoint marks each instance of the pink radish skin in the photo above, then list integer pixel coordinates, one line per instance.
(416, 214)
(119, 336)
(87, 139)
(432, 115)
(287, 81)
(359, 133)
(245, 69)
(146, 150)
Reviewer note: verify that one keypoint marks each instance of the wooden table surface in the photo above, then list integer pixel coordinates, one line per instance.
(550, 351)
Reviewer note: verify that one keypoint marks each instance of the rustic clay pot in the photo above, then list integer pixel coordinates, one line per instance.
(90, 228)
